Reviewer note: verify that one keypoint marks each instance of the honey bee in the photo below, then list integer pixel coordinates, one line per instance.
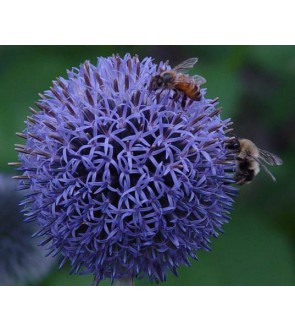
(249, 159)
(176, 79)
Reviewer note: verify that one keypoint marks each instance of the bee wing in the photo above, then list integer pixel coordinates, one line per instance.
(270, 158)
(199, 80)
(267, 171)
(188, 80)
(185, 65)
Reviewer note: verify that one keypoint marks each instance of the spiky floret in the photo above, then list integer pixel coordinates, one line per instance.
(123, 181)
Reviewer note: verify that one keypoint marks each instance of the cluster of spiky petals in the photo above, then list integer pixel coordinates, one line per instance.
(124, 181)
(21, 260)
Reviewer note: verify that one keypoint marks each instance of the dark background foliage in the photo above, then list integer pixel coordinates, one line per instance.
(255, 86)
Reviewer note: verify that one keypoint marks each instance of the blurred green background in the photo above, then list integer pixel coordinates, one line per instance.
(255, 86)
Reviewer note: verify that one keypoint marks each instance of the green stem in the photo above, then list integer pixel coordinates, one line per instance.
(129, 281)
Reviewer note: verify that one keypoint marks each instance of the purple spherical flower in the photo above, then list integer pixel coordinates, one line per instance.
(125, 182)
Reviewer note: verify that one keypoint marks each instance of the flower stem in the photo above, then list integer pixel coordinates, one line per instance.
(129, 281)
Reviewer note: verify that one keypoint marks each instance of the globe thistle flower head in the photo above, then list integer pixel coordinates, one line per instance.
(21, 260)
(124, 181)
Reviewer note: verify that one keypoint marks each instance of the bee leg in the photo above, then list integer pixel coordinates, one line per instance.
(244, 177)
(183, 102)
(158, 94)
(161, 91)
(175, 95)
